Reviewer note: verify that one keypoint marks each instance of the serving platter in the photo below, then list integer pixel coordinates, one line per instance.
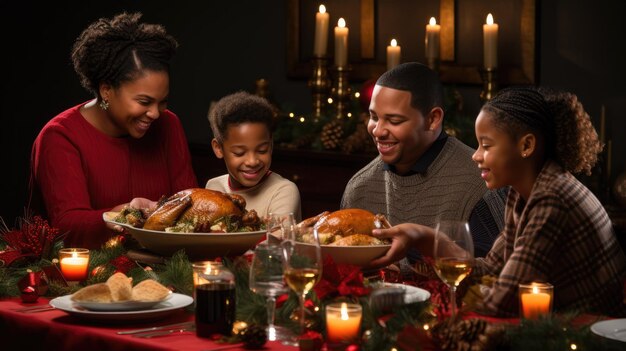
(120, 305)
(157, 311)
(197, 246)
(356, 255)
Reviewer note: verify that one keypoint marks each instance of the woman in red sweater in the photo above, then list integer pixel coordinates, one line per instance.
(122, 145)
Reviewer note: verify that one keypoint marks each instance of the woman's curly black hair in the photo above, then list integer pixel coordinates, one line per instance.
(118, 50)
(559, 117)
(237, 108)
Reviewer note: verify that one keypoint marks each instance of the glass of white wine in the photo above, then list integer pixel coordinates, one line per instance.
(303, 268)
(454, 255)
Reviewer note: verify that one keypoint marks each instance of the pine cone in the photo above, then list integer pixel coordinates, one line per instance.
(253, 336)
(464, 335)
(331, 135)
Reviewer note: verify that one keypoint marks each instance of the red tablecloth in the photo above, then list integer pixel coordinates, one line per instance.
(56, 330)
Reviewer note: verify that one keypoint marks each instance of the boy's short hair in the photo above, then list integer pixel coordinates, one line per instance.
(422, 82)
(240, 107)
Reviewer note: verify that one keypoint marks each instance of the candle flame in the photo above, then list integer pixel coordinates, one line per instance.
(322, 8)
(535, 290)
(394, 42)
(344, 311)
(489, 19)
(341, 23)
(432, 21)
(74, 254)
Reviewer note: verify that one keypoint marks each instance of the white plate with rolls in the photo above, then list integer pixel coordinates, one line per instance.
(159, 310)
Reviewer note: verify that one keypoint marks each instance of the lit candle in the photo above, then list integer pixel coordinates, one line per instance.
(490, 43)
(343, 322)
(535, 300)
(433, 31)
(321, 32)
(393, 54)
(341, 43)
(74, 264)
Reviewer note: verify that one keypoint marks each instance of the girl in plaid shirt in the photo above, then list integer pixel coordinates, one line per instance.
(555, 230)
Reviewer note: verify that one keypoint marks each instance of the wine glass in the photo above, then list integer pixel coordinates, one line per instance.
(266, 278)
(454, 255)
(280, 226)
(303, 267)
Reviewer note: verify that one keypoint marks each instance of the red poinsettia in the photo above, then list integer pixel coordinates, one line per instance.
(34, 239)
(340, 279)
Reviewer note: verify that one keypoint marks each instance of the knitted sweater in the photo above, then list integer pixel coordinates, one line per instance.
(80, 172)
(449, 189)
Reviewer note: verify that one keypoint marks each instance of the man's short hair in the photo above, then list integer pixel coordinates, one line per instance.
(422, 82)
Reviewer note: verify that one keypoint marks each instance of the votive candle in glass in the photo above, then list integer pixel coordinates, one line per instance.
(535, 300)
(343, 322)
(74, 264)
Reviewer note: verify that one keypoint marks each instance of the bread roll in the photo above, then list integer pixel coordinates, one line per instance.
(121, 287)
(93, 293)
(150, 290)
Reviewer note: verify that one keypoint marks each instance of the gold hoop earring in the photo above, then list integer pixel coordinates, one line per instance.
(104, 104)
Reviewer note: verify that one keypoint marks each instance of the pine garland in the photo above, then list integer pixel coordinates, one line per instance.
(381, 332)
(555, 334)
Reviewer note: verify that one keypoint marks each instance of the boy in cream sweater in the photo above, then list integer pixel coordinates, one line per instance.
(242, 136)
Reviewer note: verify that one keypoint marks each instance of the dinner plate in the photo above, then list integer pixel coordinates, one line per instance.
(197, 246)
(613, 329)
(161, 309)
(412, 294)
(119, 305)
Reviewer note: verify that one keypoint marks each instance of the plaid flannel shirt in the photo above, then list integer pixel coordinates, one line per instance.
(561, 235)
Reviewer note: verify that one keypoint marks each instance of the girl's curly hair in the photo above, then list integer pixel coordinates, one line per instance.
(577, 143)
(559, 117)
(118, 50)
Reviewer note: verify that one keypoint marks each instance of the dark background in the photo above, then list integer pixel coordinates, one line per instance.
(226, 45)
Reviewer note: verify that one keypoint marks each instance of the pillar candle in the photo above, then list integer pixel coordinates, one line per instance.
(490, 43)
(74, 268)
(341, 43)
(535, 301)
(321, 32)
(393, 54)
(343, 322)
(433, 31)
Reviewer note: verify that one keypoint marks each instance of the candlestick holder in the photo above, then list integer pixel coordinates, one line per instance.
(320, 85)
(341, 91)
(433, 63)
(490, 86)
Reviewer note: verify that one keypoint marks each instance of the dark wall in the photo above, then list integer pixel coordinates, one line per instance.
(226, 45)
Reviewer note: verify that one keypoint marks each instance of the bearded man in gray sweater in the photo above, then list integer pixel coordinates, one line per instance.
(421, 174)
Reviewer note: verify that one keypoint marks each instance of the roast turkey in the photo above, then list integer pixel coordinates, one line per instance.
(347, 227)
(203, 210)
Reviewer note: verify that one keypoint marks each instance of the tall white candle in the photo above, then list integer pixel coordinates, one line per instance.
(341, 43)
(393, 54)
(321, 32)
(433, 31)
(490, 43)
